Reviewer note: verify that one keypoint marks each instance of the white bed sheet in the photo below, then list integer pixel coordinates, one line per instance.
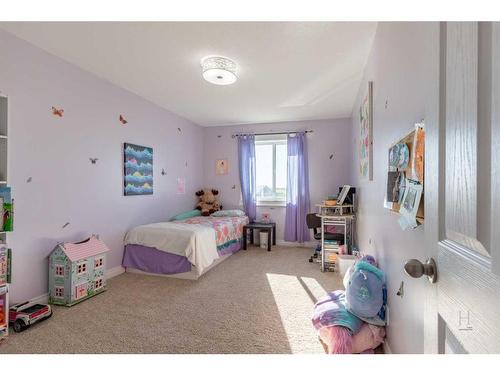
(196, 242)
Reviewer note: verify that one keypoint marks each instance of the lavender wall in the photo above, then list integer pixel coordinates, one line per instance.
(325, 174)
(55, 152)
(404, 68)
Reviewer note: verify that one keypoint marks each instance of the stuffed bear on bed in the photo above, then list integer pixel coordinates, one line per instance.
(208, 203)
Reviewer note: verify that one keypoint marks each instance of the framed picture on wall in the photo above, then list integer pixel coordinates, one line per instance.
(221, 166)
(181, 185)
(366, 134)
(137, 169)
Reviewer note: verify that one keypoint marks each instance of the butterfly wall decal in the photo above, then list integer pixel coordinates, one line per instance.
(57, 112)
(163, 173)
(122, 120)
(93, 160)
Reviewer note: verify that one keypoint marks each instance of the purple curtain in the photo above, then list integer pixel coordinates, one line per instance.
(297, 190)
(246, 159)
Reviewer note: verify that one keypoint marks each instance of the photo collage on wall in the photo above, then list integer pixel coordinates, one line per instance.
(405, 178)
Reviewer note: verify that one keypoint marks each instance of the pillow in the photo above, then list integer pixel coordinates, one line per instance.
(187, 215)
(365, 290)
(221, 213)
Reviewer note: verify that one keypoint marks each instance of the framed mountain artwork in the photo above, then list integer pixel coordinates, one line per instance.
(137, 170)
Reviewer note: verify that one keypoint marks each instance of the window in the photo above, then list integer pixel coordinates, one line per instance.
(98, 262)
(59, 292)
(82, 268)
(271, 168)
(59, 270)
(97, 284)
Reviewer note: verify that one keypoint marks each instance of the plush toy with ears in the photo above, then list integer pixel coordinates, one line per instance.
(208, 203)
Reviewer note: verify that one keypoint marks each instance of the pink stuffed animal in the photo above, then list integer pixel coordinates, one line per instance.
(338, 340)
(368, 338)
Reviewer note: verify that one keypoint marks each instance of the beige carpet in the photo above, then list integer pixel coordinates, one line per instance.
(254, 302)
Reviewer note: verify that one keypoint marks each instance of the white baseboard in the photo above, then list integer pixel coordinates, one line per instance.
(112, 272)
(309, 244)
(387, 348)
(115, 271)
(43, 299)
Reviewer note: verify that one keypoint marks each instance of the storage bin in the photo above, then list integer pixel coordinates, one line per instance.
(345, 261)
(263, 239)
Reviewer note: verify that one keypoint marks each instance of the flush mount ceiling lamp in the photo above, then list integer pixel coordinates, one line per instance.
(219, 70)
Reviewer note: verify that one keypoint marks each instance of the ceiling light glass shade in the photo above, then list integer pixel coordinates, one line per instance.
(219, 70)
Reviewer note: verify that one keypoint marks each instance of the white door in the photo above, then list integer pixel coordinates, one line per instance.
(463, 194)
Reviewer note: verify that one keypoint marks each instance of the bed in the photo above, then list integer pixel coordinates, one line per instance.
(183, 248)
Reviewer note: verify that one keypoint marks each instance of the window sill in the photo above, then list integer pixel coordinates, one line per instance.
(271, 204)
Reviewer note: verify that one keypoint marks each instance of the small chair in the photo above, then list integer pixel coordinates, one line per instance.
(313, 222)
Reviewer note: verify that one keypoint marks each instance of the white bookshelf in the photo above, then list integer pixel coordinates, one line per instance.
(4, 289)
(346, 222)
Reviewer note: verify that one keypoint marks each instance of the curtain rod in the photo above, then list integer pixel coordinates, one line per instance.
(271, 133)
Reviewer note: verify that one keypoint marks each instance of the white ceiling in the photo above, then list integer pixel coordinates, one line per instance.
(287, 70)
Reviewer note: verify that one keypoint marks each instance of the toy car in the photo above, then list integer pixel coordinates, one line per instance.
(25, 314)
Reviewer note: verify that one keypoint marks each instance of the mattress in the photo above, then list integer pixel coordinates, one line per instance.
(228, 233)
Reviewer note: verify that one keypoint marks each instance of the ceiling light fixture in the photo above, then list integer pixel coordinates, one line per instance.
(219, 70)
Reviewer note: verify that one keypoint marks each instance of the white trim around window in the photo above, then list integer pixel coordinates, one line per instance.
(274, 141)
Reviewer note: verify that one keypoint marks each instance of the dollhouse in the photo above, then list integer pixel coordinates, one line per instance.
(77, 271)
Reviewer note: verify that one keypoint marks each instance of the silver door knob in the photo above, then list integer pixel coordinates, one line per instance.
(416, 269)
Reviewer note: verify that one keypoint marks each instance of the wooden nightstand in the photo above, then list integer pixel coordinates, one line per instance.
(269, 227)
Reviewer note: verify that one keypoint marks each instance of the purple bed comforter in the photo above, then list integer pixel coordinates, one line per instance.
(152, 260)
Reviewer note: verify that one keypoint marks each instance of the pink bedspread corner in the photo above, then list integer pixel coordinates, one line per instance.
(227, 229)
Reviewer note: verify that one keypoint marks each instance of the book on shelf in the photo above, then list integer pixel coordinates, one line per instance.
(331, 245)
(330, 267)
(4, 314)
(7, 209)
(331, 258)
(9, 266)
(4, 264)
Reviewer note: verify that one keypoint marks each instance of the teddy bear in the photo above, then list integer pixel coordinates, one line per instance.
(208, 203)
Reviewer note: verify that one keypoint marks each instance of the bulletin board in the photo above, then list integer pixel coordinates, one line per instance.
(405, 176)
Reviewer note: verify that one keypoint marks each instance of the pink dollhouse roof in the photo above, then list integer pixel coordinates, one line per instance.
(85, 249)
